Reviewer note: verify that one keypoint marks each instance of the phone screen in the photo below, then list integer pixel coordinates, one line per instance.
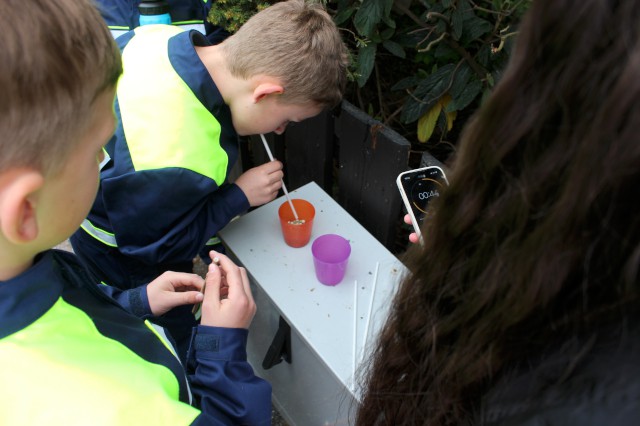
(420, 186)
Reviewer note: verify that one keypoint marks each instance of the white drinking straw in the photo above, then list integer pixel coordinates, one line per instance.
(373, 293)
(284, 188)
(355, 328)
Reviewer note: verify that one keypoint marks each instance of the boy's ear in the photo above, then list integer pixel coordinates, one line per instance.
(265, 89)
(18, 221)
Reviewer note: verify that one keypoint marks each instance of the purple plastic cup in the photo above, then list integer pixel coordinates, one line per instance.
(330, 256)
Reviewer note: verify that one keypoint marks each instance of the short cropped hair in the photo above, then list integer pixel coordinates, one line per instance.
(56, 58)
(297, 42)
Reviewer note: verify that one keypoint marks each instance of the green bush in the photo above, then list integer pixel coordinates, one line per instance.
(443, 57)
(231, 14)
(419, 66)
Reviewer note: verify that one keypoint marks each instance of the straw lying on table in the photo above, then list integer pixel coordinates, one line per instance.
(373, 293)
(284, 188)
(355, 329)
(355, 325)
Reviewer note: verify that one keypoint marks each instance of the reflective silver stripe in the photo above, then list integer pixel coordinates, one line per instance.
(100, 235)
(117, 33)
(162, 334)
(213, 241)
(105, 160)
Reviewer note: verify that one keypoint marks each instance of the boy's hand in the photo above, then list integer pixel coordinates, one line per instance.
(235, 309)
(413, 237)
(173, 289)
(262, 183)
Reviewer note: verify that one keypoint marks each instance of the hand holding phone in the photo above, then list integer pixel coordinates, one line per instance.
(417, 187)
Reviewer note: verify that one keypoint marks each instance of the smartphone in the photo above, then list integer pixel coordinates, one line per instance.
(417, 187)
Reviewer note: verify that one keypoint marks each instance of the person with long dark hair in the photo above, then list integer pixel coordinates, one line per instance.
(522, 306)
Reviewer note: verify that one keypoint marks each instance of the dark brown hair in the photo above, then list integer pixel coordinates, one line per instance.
(537, 238)
(56, 57)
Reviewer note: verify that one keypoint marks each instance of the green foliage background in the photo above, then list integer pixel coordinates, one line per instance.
(421, 67)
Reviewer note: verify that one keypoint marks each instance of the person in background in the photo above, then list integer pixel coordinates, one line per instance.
(123, 15)
(181, 104)
(522, 307)
(72, 351)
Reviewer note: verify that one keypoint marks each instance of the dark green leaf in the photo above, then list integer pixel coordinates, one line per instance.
(413, 109)
(394, 48)
(434, 82)
(390, 22)
(366, 60)
(387, 33)
(407, 83)
(467, 96)
(465, 8)
(426, 94)
(460, 80)
(387, 5)
(343, 15)
(476, 27)
(457, 23)
(422, 73)
(368, 16)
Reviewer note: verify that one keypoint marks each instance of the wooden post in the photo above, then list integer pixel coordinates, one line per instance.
(370, 158)
(310, 152)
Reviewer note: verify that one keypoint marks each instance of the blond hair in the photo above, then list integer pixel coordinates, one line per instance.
(56, 57)
(297, 42)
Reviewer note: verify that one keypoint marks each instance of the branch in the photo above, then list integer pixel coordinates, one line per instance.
(433, 42)
(476, 67)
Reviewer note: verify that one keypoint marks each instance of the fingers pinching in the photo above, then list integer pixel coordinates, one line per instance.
(237, 309)
(212, 284)
(225, 264)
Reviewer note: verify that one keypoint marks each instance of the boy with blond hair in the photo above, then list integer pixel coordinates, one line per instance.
(181, 104)
(73, 351)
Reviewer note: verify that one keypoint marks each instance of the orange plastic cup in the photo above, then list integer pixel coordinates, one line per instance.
(296, 233)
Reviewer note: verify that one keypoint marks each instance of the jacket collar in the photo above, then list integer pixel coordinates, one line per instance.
(26, 297)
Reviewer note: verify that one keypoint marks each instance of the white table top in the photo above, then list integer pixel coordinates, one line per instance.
(322, 315)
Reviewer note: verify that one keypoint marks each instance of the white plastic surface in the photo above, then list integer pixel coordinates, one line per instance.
(322, 315)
